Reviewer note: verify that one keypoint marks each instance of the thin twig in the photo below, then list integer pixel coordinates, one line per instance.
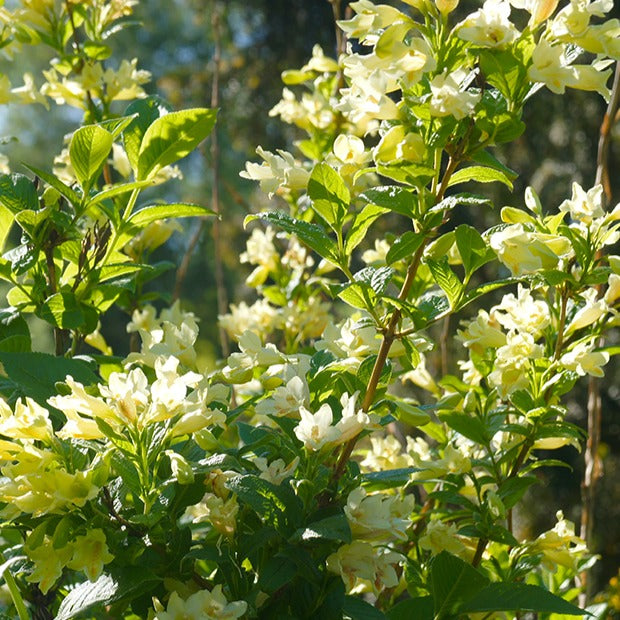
(593, 469)
(222, 301)
(390, 333)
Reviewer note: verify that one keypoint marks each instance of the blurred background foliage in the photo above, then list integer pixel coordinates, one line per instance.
(259, 39)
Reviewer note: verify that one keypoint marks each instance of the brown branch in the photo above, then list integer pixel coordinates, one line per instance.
(390, 332)
(593, 470)
(222, 301)
(602, 159)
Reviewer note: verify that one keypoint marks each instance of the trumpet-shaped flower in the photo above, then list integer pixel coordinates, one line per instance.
(90, 553)
(276, 171)
(448, 98)
(489, 26)
(359, 563)
(378, 516)
(28, 420)
(202, 605)
(525, 252)
(315, 429)
(584, 360)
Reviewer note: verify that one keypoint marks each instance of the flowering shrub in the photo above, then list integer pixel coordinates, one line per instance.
(301, 478)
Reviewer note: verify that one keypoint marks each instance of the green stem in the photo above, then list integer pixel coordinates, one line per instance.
(16, 595)
(390, 333)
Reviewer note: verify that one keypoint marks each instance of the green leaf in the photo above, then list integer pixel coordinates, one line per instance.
(313, 235)
(117, 190)
(329, 195)
(14, 332)
(473, 249)
(62, 310)
(276, 505)
(388, 479)
(446, 279)
(469, 426)
(6, 221)
(331, 528)
(145, 112)
(276, 572)
(404, 247)
(392, 197)
(488, 159)
(483, 289)
(361, 224)
(57, 184)
(161, 212)
(358, 609)
(114, 586)
(89, 148)
(116, 125)
(357, 295)
(518, 597)
(481, 174)
(18, 193)
(453, 582)
(419, 608)
(36, 374)
(409, 174)
(172, 137)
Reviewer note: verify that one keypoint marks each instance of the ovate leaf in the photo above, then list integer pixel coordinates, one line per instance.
(172, 137)
(518, 597)
(18, 193)
(108, 588)
(313, 235)
(89, 148)
(14, 332)
(6, 221)
(453, 582)
(329, 195)
(446, 279)
(473, 249)
(145, 112)
(360, 225)
(481, 174)
(393, 197)
(161, 212)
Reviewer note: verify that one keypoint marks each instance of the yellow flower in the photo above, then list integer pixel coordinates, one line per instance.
(90, 554)
(48, 563)
(28, 421)
(202, 605)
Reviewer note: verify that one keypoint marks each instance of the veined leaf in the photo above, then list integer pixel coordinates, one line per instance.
(18, 193)
(404, 247)
(473, 249)
(37, 373)
(453, 582)
(14, 331)
(117, 190)
(360, 225)
(518, 597)
(57, 184)
(161, 212)
(358, 609)
(116, 125)
(481, 174)
(313, 235)
(108, 588)
(172, 137)
(446, 279)
(89, 148)
(6, 221)
(145, 112)
(393, 197)
(329, 195)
